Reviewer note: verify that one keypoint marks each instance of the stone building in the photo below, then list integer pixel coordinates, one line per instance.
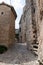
(7, 25)
(22, 28)
(20, 36)
(34, 27)
(30, 24)
(40, 38)
(29, 30)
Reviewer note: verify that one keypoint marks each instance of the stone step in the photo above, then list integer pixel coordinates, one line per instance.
(35, 46)
(34, 49)
(35, 52)
(35, 43)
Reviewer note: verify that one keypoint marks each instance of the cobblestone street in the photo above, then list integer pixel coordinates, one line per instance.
(18, 55)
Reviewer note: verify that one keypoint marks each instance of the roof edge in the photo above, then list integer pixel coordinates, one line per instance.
(12, 8)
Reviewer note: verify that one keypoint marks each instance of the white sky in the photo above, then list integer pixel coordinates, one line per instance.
(18, 5)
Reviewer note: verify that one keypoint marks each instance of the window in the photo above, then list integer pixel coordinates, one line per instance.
(2, 13)
(20, 29)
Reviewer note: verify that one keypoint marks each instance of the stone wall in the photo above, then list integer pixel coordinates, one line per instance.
(23, 26)
(34, 27)
(37, 18)
(40, 38)
(7, 26)
(30, 24)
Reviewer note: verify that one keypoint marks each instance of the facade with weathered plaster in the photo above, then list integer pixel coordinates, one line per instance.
(7, 24)
(40, 38)
(30, 25)
(34, 26)
(22, 33)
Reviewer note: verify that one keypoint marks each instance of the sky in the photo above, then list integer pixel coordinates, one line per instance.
(18, 6)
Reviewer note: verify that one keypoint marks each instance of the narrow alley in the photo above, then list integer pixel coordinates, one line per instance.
(18, 55)
(21, 32)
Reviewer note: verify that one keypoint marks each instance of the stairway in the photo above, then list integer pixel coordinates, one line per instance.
(34, 27)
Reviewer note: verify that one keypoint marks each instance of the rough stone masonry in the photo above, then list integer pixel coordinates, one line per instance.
(7, 24)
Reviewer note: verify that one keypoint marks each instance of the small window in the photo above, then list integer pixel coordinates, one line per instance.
(2, 13)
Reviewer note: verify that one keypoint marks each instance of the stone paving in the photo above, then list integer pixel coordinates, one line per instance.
(18, 55)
